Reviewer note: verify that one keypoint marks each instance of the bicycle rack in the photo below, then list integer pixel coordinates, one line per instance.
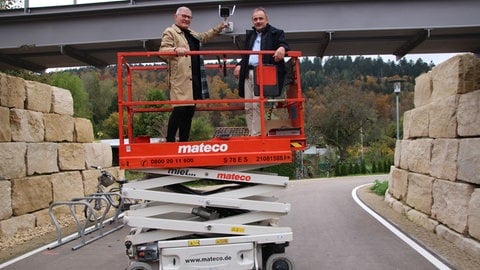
(82, 229)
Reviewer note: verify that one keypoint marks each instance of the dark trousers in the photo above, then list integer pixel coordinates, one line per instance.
(181, 120)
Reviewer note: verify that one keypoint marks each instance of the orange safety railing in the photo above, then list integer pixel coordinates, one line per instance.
(276, 143)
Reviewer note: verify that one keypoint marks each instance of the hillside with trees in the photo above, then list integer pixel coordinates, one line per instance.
(350, 106)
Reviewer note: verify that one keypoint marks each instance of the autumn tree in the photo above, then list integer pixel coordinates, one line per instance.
(220, 89)
(81, 104)
(152, 124)
(109, 127)
(340, 113)
(314, 110)
(102, 95)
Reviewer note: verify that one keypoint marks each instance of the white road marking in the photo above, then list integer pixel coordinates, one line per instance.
(425, 253)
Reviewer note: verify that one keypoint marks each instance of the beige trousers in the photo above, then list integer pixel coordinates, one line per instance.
(252, 110)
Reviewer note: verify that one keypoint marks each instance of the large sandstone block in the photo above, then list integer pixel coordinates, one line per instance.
(31, 194)
(10, 227)
(83, 130)
(407, 123)
(443, 118)
(67, 185)
(389, 199)
(468, 245)
(404, 153)
(120, 172)
(422, 219)
(398, 183)
(423, 89)
(71, 156)
(419, 122)
(42, 218)
(450, 204)
(59, 127)
(89, 178)
(5, 131)
(38, 97)
(400, 208)
(444, 159)
(42, 158)
(419, 194)
(457, 75)
(469, 160)
(5, 199)
(62, 101)
(12, 91)
(474, 215)
(26, 126)
(12, 158)
(397, 154)
(98, 154)
(468, 114)
(419, 155)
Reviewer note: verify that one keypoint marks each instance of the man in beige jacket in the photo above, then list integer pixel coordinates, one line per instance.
(186, 78)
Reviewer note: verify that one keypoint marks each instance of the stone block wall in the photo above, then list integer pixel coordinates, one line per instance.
(45, 153)
(435, 179)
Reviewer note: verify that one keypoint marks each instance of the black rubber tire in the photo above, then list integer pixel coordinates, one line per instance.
(279, 261)
(139, 266)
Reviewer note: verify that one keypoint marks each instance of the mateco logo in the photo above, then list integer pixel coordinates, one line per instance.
(202, 148)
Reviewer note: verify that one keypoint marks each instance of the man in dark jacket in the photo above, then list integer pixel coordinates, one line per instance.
(263, 37)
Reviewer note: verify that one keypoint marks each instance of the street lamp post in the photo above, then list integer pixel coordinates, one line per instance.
(397, 84)
(396, 88)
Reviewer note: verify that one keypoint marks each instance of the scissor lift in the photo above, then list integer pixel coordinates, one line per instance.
(232, 225)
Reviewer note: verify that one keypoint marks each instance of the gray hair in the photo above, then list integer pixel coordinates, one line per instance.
(182, 8)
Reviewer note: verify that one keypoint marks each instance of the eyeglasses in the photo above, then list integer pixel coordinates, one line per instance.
(185, 16)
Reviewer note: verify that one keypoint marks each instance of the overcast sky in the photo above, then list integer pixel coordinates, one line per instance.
(436, 58)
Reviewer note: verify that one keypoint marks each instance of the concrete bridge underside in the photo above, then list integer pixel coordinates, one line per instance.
(92, 34)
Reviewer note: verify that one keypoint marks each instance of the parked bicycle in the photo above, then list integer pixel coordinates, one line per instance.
(101, 201)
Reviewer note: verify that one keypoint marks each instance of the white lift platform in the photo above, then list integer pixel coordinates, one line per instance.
(233, 226)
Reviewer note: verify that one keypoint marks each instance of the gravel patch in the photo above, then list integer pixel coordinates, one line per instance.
(29, 240)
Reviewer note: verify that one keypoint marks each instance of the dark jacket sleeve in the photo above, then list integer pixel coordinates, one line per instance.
(279, 38)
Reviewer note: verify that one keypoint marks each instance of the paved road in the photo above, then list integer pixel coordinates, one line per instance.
(330, 232)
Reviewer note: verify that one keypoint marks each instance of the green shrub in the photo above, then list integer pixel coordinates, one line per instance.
(380, 187)
(284, 169)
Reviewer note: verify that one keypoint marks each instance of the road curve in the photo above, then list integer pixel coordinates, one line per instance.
(331, 231)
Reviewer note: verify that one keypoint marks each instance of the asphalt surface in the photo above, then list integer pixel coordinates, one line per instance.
(331, 231)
